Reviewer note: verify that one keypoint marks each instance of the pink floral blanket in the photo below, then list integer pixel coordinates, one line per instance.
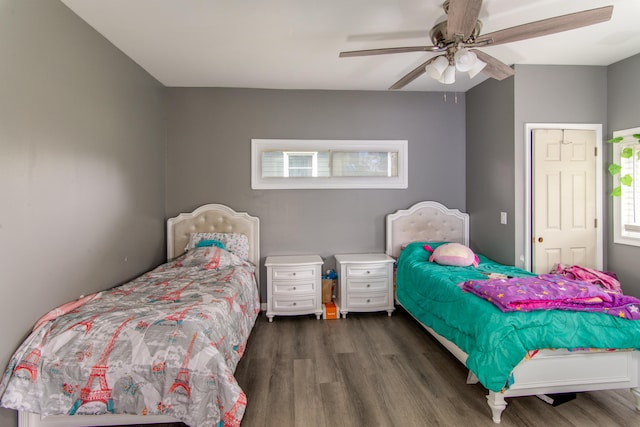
(552, 292)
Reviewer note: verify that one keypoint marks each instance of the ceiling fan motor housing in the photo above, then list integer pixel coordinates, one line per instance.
(438, 35)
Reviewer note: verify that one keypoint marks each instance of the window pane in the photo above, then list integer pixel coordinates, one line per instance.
(300, 164)
(626, 207)
(629, 203)
(300, 161)
(635, 185)
(324, 158)
(272, 164)
(364, 163)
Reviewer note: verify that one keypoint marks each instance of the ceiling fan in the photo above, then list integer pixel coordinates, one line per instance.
(457, 37)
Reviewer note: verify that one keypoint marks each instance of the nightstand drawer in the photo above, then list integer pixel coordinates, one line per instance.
(292, 288)
(358, 270)
(293, 273)
(363, 285)
(294, 305)
(367, 301)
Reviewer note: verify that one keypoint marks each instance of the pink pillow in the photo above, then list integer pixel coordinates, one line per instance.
(454, 254)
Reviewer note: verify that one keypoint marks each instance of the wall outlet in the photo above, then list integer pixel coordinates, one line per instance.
(503, 217)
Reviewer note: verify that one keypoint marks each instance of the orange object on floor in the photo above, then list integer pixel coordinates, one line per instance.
(330, 311)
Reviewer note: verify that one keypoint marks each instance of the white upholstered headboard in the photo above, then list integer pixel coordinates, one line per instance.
(425, 221)
(213, 218)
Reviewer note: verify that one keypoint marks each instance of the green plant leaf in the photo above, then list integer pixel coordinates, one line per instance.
(617, 192)
(637, 136)
(626, 153)
(626, 180)
(615, 140)
(614, 169)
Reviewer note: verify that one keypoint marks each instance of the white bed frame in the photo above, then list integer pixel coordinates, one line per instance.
(206, 218)
(550, 371)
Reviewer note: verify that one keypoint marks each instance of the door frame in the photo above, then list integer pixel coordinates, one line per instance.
(528, 166)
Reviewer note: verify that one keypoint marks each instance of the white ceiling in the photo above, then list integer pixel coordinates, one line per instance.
(294, 44)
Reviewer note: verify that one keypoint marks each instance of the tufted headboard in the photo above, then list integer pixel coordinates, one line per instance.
(425, 221)
(213, 218)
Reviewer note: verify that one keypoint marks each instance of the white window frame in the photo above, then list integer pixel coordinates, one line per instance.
(314, 162)
(258, 146)
(625, 232)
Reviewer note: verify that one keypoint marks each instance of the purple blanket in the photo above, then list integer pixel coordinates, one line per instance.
(551, 292)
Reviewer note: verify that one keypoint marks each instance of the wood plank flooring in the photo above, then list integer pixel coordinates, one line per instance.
(374, 370)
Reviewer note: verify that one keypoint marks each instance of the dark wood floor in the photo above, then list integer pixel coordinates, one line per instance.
(374, 370)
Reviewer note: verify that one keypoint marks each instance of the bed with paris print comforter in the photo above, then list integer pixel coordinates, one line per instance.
(165, 343)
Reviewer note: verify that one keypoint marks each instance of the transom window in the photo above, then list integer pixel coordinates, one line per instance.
(282, 164)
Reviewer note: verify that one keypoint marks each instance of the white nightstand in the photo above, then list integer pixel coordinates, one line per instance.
(293, 285)
(365, 283)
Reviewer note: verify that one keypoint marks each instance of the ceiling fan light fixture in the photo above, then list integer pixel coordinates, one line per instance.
(465, 60)
(437, 67)
(477, 67)
(449, 75)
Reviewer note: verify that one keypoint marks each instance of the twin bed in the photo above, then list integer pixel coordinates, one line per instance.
(511, 354)
(164, 347)
(161, 348)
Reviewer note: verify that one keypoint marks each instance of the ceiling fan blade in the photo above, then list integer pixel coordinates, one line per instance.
(462, 17)
(495, 68)
(546, 26)
(388, 50)
(412, 75)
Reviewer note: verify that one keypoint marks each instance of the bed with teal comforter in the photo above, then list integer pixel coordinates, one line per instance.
(495, 341)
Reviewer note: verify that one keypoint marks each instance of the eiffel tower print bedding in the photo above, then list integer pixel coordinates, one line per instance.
(166, 343)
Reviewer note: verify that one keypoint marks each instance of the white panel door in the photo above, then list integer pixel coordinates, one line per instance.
(564, 225)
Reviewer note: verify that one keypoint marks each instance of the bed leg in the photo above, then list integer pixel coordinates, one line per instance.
(497, 404)
(636, 394)
(471, 378)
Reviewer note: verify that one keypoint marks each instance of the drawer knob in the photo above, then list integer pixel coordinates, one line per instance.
(368, 272)
(295, 303)
(368, 301)
(368, 285)
(294, 273)
(294, 288)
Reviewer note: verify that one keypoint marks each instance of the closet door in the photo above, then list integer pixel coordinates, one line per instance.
(564, 226)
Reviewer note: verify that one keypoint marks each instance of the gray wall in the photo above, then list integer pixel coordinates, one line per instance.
(81, 166)
(552, 94)
(541, 94)
(623, 87)
(208, 160)
(490, 168)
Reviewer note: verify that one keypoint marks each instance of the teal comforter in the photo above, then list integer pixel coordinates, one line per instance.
(495, 341)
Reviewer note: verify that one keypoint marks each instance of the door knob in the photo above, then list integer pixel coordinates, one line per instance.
(540, 239)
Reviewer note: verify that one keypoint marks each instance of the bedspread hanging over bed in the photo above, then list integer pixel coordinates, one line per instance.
(166, 343)
(496, 342)
(551, 292)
